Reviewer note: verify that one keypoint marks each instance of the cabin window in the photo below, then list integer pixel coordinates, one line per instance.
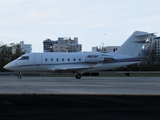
(62, 59)
(51, 59)
(24, 58)
(68, 59)
(57, 59)
(74, 59)
(46, 59)
(79, 59)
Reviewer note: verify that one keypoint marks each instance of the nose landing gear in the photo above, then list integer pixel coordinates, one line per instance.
(19, 75)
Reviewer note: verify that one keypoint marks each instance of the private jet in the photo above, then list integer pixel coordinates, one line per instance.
(81, 62)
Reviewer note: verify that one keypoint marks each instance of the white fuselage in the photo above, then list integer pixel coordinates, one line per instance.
(79, 62)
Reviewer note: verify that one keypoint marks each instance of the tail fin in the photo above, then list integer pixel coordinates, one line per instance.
(133, 45)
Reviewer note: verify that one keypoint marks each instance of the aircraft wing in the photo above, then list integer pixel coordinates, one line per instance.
(71, 68)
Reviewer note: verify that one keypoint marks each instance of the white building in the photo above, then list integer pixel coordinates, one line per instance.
(62, 45)
(60, 48)
(27, 48)
(157, 46)
(105, 49)
(149, 45)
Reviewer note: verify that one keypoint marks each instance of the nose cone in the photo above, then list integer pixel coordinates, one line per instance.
(6, 67)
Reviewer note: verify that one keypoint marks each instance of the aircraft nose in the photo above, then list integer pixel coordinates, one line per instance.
(6, 67)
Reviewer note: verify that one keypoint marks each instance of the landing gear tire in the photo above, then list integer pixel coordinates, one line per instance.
(19, 76)
(78, 76)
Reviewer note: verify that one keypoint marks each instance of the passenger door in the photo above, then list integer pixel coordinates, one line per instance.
(38, 60)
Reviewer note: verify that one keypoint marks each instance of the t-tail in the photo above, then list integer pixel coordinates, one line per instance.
(133, 45)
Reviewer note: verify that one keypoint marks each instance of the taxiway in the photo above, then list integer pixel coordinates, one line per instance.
(86, 85)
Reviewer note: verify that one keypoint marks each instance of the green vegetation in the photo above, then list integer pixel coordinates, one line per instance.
(9, 53)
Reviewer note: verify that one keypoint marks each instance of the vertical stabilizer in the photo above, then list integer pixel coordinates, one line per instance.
(133, 45)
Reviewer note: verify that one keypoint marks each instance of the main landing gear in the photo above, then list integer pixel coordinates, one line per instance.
(19, 75)
(78, 76)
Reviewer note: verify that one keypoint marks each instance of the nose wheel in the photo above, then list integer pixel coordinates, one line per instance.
(19, 75)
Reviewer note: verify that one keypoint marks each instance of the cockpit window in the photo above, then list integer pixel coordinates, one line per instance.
(24, 58)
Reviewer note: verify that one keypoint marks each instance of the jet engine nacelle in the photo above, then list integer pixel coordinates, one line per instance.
(92, 56)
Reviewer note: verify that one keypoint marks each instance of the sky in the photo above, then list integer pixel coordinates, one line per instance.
(94, 22)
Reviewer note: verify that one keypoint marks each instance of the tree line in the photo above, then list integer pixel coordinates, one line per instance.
(150, 62)
(8, 53)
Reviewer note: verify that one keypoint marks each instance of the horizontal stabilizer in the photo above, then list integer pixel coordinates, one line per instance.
(143, 34)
